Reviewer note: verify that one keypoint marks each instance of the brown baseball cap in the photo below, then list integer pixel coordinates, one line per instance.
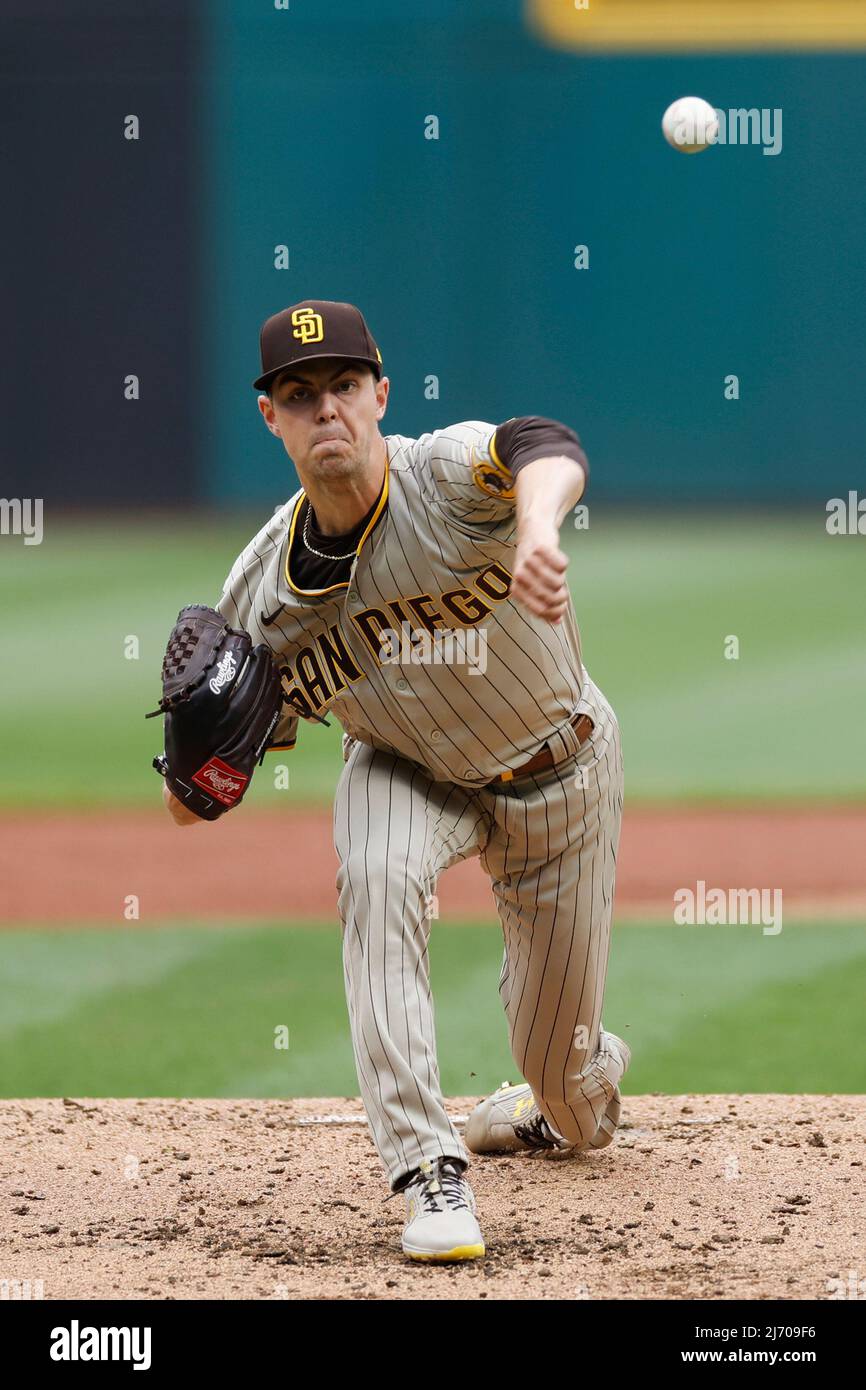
(312, 329)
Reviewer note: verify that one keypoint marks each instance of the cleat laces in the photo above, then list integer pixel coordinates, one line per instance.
(536, 1133)
(442, 1187)
(454, 1187)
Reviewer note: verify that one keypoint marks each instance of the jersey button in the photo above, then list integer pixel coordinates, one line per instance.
(353, 595)
(402, 684)
(435, 735)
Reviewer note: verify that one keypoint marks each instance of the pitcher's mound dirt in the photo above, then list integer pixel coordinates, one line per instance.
(710, 1197)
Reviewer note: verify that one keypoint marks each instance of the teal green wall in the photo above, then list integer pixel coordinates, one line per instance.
(459, 251)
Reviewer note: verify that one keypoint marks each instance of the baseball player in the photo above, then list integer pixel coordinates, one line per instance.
(415, 590)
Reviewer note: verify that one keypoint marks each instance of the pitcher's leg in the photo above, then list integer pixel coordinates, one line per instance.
(552, 860)
(394, 831)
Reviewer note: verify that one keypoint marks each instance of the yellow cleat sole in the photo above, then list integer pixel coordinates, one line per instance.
(460, 1252)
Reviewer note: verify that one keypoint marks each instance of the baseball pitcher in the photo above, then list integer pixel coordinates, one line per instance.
(415, 590)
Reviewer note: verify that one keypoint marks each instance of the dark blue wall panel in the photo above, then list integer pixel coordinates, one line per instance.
(98, 269)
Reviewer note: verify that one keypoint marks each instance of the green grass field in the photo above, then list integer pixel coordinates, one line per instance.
(655, 596)
(191, 1011)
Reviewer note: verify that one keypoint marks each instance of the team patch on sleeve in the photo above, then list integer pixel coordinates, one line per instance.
(489, 472)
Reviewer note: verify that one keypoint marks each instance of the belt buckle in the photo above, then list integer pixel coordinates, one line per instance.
(511, 772)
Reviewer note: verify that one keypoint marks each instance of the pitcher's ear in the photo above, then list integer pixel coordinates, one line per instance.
(266, 406)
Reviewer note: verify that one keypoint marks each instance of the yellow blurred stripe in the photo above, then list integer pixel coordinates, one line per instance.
(666, 25)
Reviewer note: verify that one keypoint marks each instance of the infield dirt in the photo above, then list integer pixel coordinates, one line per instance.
(707, 1197)
(282, 865)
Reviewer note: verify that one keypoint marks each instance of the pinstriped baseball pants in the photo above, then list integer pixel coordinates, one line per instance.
(549, 845)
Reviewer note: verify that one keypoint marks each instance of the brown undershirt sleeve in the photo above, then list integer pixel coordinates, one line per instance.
(526, 437)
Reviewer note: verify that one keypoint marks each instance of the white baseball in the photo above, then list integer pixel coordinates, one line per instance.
(690, 124)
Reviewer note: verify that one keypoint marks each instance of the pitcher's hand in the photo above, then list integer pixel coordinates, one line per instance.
(538, 579)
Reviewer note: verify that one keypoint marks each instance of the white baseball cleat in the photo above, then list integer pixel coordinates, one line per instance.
(509, 1121)
(440, 1207)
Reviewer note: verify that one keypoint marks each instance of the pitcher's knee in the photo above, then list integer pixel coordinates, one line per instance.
(582, 1111)
(375, 908)
(367, 887)
(582, 1102)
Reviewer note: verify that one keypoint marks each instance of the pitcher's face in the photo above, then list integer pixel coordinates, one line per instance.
(327, 414)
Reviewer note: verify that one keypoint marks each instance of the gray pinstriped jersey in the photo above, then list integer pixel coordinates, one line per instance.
(464, 681)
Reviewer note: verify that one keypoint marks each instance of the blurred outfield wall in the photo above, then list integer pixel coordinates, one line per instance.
(99, 275)
(460, 250)
(305, 127)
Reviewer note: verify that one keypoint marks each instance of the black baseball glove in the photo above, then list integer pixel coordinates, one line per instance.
(222, 699)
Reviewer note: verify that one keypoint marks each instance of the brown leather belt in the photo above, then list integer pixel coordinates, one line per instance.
(583, 727)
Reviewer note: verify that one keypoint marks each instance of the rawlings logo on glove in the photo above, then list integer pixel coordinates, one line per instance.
(225, 673)
(222, 699)
(225, 783)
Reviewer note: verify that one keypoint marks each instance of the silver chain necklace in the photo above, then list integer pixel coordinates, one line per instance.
(321, 554)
